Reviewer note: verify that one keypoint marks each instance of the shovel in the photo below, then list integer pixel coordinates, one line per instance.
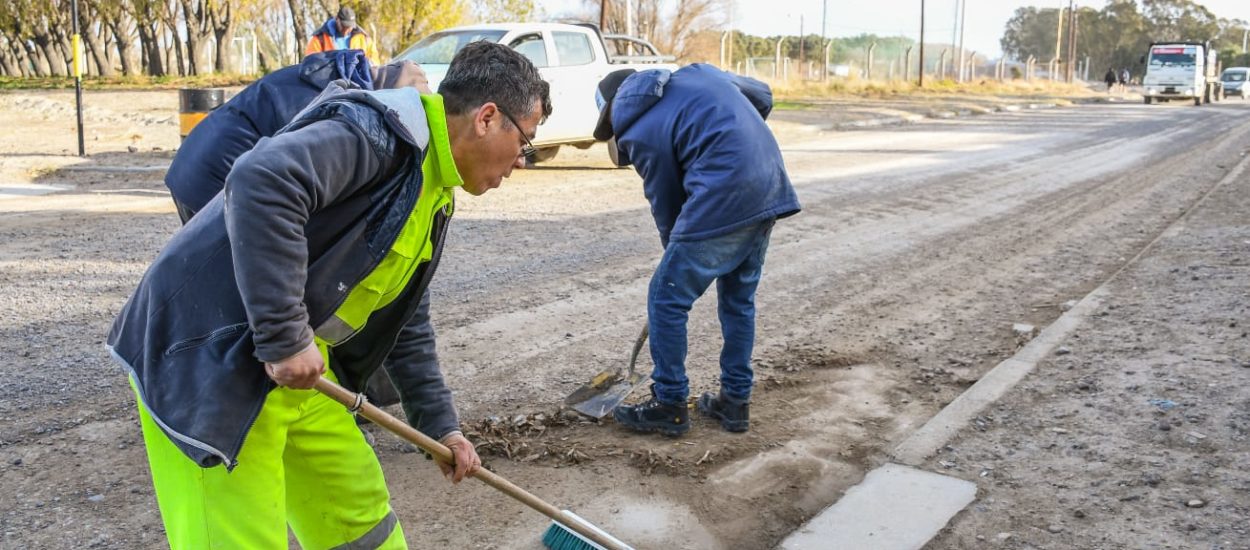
(609, 388)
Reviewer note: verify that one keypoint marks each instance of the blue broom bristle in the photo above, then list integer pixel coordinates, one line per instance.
(559, 537)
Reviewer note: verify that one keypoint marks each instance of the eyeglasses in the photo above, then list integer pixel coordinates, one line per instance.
(528, 149)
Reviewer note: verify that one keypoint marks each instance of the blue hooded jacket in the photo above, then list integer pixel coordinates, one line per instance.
(708, 162)
(199, 170)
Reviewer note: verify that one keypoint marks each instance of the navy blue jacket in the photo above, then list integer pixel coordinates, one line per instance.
(199, 169)
(708, 162)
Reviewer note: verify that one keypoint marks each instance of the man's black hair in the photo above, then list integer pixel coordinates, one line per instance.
(484, 72)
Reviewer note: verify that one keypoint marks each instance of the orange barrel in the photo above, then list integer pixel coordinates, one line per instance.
(195, 104)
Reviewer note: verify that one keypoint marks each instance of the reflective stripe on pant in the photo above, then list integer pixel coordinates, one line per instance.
(304, 463)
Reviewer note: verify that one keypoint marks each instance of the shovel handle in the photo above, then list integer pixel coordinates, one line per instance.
(355, 401)
(633, 356)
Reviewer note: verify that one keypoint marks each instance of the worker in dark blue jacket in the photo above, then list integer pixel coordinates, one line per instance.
(716, 182)
(199, 170)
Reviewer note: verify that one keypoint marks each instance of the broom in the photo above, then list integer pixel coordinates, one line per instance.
(567, 531)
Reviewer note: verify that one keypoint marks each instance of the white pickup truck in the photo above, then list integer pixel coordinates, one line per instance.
(572, 58)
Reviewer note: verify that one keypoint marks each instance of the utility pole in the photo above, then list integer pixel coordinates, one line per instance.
(777, 58)
(955, 26)
(1058, 37)
(603, 16)
(730, 55)
(802, 54)
(78, 63)
(963, 17)
(629, 26)
(921, 43)
(1071, 41)
(824, 18)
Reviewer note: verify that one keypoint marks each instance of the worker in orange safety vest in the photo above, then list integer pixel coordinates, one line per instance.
(341, 33)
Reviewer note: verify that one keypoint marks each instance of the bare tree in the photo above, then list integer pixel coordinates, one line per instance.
(299, 22)
(91, 27)
(222, 20)
(8, 63)
(25, 61)
(42, 18)
(148, 15)
(677, 36)
(171, 12)
(11, 40)
(121, 24)
(195, 14)
(671, 30)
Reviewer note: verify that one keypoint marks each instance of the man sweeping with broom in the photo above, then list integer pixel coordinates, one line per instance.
(313, 262)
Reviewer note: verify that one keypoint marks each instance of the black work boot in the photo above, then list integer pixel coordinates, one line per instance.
(734, 415)
(653, 416)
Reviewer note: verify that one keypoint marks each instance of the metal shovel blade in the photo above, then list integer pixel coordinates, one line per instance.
(596, 401)
(609, 388)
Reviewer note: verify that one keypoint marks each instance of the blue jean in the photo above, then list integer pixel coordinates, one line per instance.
(687, 269)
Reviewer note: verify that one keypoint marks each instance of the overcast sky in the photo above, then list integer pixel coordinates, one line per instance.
(984, 25)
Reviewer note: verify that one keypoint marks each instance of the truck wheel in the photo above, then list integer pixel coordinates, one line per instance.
(1198, 101)
(1147, 100)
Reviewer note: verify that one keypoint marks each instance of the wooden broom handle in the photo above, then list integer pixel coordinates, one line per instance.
(403, 430)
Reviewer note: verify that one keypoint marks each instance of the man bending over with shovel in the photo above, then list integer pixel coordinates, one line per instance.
(716, 182)
(314, 262)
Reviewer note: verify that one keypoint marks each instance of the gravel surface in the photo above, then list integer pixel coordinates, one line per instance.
(898, 286)
(1136, 432)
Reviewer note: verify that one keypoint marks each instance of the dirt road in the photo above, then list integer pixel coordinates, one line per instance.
(894, 290)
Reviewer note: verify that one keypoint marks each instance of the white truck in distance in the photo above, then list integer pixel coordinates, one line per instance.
(572, 58)
(1181, 70)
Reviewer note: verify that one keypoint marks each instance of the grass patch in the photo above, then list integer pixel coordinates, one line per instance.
(795, 92)
(141, 82)
(792, 106)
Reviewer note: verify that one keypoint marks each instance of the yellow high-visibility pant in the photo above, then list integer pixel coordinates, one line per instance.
(304, 463)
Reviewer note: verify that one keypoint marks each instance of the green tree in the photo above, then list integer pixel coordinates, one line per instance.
(1031, 32)
(401, 23)
(503, 11)
(1180, 20)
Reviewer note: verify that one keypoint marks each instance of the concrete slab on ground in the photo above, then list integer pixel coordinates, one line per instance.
(15, 190)
(894, 508)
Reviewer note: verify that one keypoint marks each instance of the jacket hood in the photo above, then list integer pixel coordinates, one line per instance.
(402, 107)
(637, 94)
(329, 28)
(320, 69)
(333, 30)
